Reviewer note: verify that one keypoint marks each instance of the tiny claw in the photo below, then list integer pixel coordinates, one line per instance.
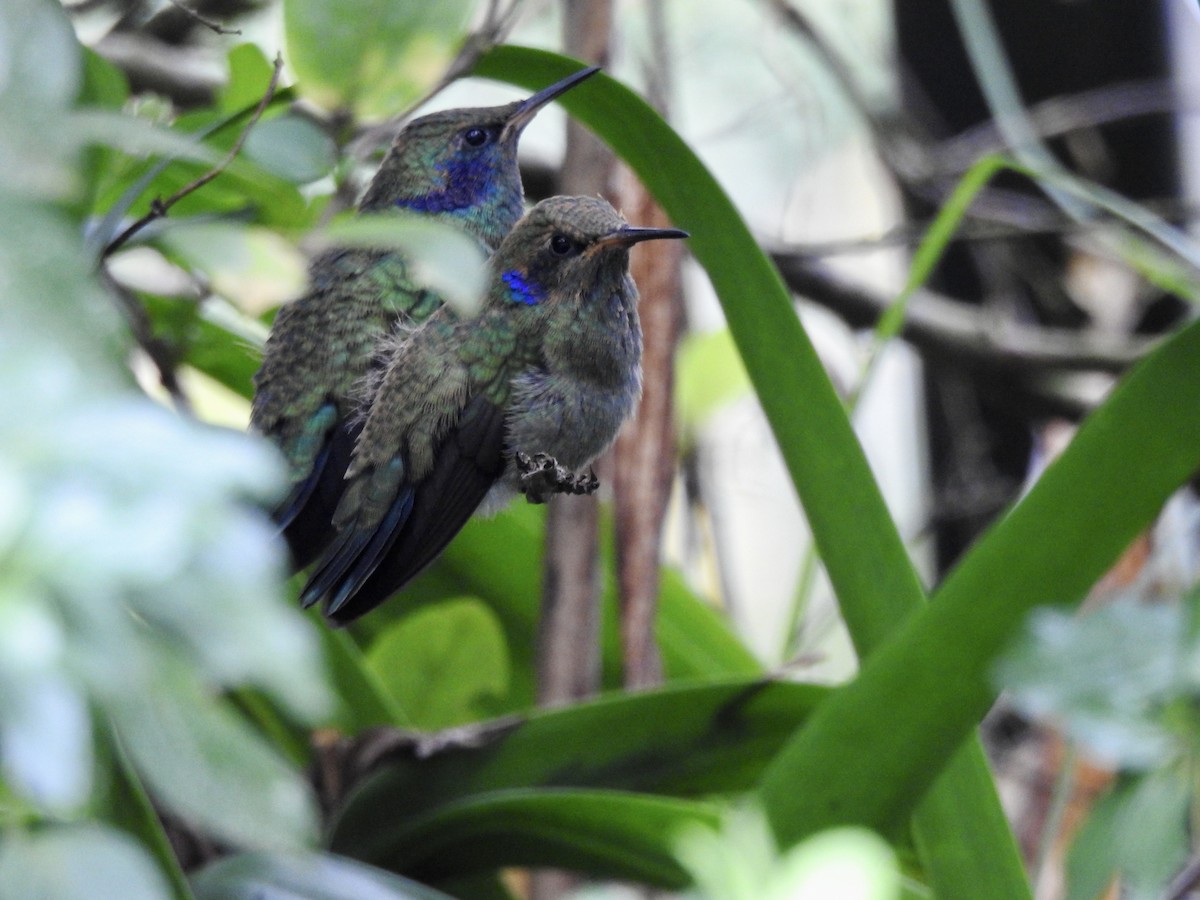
(542, 477)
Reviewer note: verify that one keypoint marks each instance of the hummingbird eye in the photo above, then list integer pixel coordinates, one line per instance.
(561, 245)
(476, 137)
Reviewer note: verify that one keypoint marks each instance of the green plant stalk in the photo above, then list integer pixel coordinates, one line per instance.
(863, 553)
(921, 695)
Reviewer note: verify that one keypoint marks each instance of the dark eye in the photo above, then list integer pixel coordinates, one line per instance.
(476, 137)
(561, 245)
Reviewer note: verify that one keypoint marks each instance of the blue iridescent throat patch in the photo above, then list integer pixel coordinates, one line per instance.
(520, 290)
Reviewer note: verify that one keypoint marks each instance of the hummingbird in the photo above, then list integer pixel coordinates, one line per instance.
(459, 166)
(469, 409)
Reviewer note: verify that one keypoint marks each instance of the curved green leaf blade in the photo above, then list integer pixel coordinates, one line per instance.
(1130, 454)
(605, 834)
(876, 585)
(681, 740)
(282, 876)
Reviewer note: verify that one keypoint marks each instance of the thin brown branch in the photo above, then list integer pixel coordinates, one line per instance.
(645, 453)
(938, 325)
(568, 664)
(215, 27)
(159, 207)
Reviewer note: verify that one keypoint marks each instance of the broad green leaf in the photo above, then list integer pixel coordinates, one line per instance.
(121, 800)
(1109, 483)
(443, 663)
(605, 834)
(681, 740)
(292, 147)
(280, 876)
(209, 767)
(374, 57)
(875, 583)
(249, 75)
(1138, 832)
(77, 863)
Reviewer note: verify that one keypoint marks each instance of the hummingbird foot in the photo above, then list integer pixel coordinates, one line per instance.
(542, 477)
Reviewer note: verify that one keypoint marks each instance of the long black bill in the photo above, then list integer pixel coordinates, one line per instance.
(629, 234)
(525, 112)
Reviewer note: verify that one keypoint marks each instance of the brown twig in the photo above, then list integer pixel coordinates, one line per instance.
(160, 207)
(568, 650)
(938, 325)
(646, 448)
(207, 23)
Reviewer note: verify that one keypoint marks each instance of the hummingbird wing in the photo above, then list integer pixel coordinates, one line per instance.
(431, 447)
(320, 346)
(427, 515)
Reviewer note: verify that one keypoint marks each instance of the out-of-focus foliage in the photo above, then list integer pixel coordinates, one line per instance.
(1123, 682)
(140, 579)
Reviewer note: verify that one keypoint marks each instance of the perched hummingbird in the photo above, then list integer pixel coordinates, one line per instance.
(459, 166)
(551, 365)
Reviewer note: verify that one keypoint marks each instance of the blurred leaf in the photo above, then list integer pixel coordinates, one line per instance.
(740, 862)
(292, 147)
(47, 741)
(77, 863)
(207, 766)
(1107, 676)
(249, 74)
(253, 267)
(683, 740)
(971, 850)
(372, 56)
(442, 257)
(41, 76)
(1139, 832)
(605, 834)
(440, 662)
(121, 800)
(262, 876)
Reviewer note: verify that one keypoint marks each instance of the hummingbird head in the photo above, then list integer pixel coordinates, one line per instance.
(463, 163)
(569, 248)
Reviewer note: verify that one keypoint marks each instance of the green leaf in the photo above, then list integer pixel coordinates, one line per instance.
(372, 56)
(77, 863)
(1138, 831)
(875, 583)
(1109, 483)
(292, 147)
(1107, 677)
(442, 663)
(249, 75)
(278, 876)
(682, 740)
(210, 768)
(499, 560)
(605, 834)
(121, 801)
